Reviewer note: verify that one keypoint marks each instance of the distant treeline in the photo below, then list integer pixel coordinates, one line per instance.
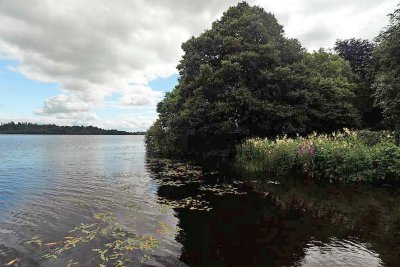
(33, 128)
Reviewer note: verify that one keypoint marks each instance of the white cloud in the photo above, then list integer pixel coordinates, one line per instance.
(94, 49)
(319, 23)
(68, 109)
(63, 104)
(132, 123)
(141, 96)
(100, 45)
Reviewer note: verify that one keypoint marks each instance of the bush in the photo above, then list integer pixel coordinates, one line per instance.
(374, 137)
(346, 157)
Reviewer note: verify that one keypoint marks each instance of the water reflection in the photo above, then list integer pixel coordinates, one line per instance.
(283, 225)
(336, 252)
(51, 185)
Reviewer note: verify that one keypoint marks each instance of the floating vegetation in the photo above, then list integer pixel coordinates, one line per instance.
(176, 174)
(34, 241)
(267, 182)
(175, 169)
(189, 203)
(13, 262)
(178, 182)
(167, 230)
(119, 249)
(181, 173)
(172, 183)
(222, 189)
(72, 263)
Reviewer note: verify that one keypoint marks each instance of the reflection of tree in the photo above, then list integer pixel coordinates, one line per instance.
(370, 214)
(244, 230)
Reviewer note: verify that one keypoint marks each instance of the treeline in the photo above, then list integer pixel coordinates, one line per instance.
(243, 78)
(33, 128)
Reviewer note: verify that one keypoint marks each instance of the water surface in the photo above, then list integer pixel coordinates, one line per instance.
(175, 214)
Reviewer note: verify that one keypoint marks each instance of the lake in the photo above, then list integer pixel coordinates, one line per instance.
(100, 201)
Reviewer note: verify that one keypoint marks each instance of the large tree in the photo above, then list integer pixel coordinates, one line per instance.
(244, 78)
(387, 55)
(359, 53)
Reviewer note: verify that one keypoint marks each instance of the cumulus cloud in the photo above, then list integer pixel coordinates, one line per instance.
(141, 96)
(63, 104)
(131, 123)
(318, 23)
(69, 109)
(94, 49)
(100, 45)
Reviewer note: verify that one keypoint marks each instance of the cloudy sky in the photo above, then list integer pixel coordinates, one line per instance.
(107, 63)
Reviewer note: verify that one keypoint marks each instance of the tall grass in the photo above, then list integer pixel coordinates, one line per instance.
(350, 156)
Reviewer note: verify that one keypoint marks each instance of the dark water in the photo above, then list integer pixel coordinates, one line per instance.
(142, 211)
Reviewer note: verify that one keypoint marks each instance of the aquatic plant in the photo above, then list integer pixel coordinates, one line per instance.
(221, 189)
(118, 250)
(348, 156)
(191, 203)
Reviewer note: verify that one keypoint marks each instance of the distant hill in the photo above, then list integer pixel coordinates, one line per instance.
(33, 128)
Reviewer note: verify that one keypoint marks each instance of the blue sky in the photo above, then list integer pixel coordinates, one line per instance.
(19, 96)
(108, 63)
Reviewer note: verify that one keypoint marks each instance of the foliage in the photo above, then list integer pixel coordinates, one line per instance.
(157, 140)
(371, 138)
(387, 55)
(320, 95)
(244, 78)
(359, 53)
(33, 128)
(346, 157)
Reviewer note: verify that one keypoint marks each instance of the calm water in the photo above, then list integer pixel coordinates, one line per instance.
(90, 200)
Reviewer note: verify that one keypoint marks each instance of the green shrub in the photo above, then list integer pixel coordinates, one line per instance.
(346, 157)
(374, 137)
(386, 161)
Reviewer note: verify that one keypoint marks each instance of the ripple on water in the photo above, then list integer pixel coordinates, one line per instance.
(53, 184)
(344, 252)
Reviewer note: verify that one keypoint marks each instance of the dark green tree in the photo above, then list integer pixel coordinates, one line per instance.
(33, 128)
(320, 93)
(359, 53)
(387, 55)
(244, 78)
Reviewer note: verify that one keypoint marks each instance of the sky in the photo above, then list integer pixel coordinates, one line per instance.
(107, 63)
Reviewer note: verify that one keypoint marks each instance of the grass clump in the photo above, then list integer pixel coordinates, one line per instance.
(349, 156)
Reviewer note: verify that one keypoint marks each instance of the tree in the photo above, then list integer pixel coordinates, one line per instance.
(244, 78)
(321, 90)
(359, 53)
(387, 84)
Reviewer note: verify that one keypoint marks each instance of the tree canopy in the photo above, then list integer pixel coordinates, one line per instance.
(244, 78)
(359, 53)
(387, 55)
